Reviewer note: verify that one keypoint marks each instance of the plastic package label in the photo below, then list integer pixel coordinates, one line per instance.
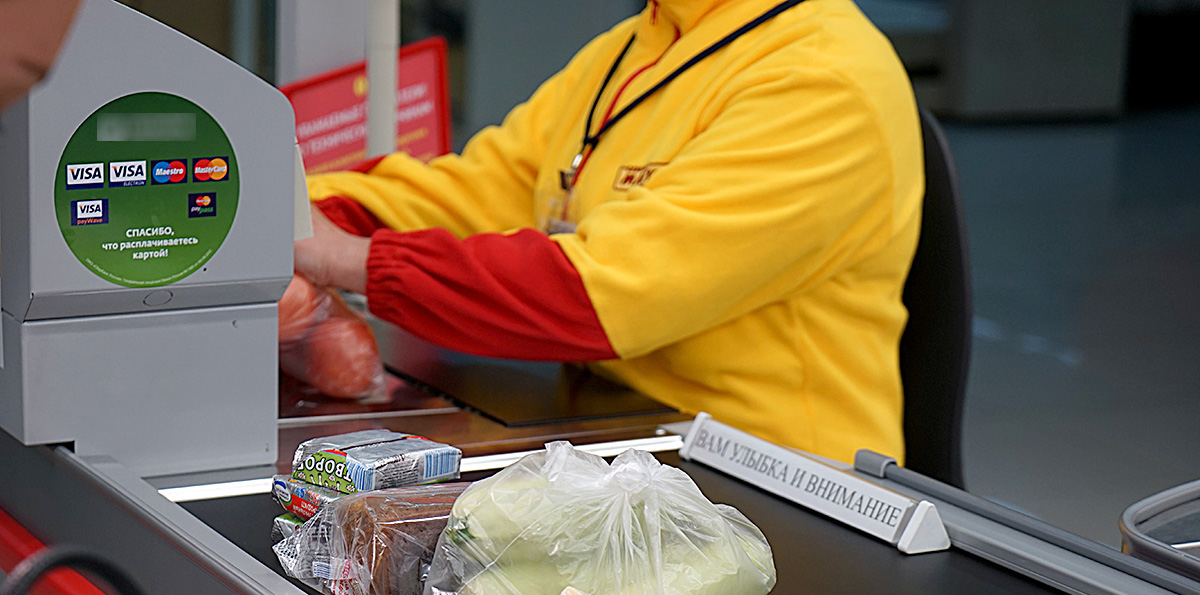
(374, 459)
(300, 498)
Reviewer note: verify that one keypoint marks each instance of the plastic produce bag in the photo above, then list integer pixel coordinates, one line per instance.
(563, 519)
(371, 543)
(325, 344)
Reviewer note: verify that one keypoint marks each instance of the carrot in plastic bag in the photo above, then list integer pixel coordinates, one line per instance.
(325, 344)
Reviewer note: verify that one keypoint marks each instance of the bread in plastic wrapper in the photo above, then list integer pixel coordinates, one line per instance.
(371, 543)
(326, 345)
(564, 519)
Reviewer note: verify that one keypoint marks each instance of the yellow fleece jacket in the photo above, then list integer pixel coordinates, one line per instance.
(744, 234)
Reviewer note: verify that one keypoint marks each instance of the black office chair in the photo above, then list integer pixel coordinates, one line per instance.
(935, 349)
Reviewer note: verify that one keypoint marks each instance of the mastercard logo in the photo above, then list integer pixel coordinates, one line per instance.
(173, 171)
(210, 169)
(202, 204)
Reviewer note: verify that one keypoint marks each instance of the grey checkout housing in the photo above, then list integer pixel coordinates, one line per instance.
(170, 379)
(1154, 527)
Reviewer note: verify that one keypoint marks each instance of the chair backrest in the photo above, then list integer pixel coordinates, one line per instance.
(935, 349)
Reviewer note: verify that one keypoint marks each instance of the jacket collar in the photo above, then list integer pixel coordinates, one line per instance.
(694, 23)
(684, 14)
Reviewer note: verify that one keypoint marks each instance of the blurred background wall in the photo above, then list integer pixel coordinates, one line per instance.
(968, 59)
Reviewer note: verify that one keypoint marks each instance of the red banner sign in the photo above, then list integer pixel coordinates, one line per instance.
(331, 109)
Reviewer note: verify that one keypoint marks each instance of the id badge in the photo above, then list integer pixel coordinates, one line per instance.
(554, 219)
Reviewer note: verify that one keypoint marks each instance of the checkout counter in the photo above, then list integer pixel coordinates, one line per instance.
(209, 531)
(141, 410)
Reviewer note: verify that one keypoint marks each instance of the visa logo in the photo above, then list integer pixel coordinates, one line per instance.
(126, 173)
(85, 175)
(89, 212)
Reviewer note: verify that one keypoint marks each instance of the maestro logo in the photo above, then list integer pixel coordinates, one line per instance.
(85, 175)
(202, 204)
(89, 212)
(169, 171)
(210, 169)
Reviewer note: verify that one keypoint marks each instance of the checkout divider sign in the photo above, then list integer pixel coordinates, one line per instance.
(331, 109)
(912, 526)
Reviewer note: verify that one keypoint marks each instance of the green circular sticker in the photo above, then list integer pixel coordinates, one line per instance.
(146, 190)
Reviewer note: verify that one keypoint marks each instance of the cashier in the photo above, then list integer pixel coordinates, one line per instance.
(715, 203)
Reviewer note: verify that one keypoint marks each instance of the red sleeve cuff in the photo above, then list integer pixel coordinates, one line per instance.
(513, 296)
(349, 215)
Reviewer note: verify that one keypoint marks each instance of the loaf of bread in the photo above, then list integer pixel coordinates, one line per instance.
(378, 542)
(394, 532)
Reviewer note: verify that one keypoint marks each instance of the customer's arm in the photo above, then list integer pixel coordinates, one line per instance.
(31, 32)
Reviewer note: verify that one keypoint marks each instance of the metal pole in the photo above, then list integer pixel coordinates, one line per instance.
(383, 40)
(244, 33)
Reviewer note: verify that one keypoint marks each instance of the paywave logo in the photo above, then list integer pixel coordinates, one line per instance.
(169, 171)
(89, 212)
(85, 175)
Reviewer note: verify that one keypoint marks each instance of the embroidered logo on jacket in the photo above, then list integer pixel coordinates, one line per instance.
(629, 176)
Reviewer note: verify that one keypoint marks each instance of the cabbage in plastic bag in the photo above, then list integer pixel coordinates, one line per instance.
(563, 518)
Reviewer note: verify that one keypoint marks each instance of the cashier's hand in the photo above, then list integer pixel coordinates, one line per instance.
(332, 257)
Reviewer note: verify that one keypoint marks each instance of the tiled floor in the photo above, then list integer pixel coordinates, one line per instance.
(1084, 392)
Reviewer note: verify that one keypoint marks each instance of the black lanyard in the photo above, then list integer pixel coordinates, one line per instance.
(591, 141)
